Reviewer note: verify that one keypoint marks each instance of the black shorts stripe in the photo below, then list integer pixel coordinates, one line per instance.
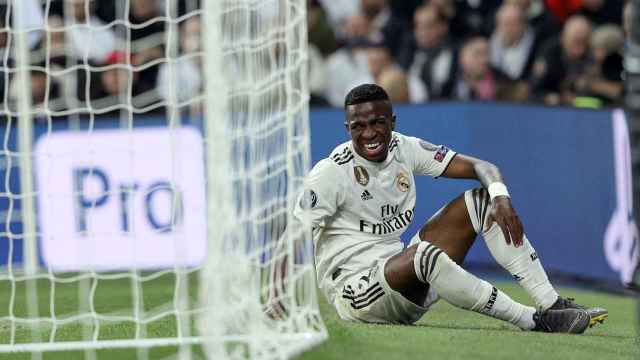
(347, 291)
(360, 297)
(364, 299)
(362, 294)
(357, 307)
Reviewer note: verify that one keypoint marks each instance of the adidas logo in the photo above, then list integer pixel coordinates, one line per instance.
(366, 195)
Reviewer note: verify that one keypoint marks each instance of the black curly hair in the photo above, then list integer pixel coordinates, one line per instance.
(365, 93)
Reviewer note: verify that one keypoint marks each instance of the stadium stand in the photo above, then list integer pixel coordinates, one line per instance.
(354, 41)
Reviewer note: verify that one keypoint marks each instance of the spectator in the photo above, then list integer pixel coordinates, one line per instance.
(317, 77)
(603, 81)
(338, 11)
(405, 9)
(468, 17)
(396, 83)
(627, 18)
(347, 68)
(147, 41)
(90, 39)
(115, 79)
(379, 60)
(429, 56)
(56, 40)
(32, 18)
(45, 90)
(513, 43)
(378, 24)
(188, 74)
(563, 9)
(544, 24)
(39, 88)
(562, 62)
(476, 79)
(319, 31)
(600, 12)
(105, 88)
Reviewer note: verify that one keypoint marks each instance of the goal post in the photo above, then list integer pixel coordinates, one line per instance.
(153, 154)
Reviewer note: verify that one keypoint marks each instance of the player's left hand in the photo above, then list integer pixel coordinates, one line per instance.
(505, 215)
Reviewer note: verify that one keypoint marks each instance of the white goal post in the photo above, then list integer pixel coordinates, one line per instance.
(153, 153)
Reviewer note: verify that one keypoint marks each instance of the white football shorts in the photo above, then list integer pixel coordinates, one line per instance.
(367, 297)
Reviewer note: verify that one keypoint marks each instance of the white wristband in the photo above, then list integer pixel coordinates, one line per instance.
(497, 189)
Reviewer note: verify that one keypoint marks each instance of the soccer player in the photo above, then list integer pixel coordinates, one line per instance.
(361, 199)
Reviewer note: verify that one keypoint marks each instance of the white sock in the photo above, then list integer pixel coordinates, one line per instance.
(464, 290)
(521, 262)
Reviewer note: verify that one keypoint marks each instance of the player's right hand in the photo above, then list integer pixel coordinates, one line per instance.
(505, 215)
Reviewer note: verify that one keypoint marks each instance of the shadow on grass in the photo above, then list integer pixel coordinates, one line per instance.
(467, 327)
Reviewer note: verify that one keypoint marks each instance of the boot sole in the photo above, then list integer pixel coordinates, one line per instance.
(598, 319)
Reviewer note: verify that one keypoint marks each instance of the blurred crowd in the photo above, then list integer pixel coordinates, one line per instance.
(100, 57)
(556, 52)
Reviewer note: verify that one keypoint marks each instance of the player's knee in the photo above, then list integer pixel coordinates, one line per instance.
(428, 261)
(478, 207)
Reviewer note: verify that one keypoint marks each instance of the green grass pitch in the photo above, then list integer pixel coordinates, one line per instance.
(444, 333)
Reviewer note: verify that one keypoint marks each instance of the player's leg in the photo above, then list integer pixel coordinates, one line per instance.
(450, 229)
(521, 262)
(424, 265)
(455, 227)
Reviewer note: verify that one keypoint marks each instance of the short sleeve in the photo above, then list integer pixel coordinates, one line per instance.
(321, 195)
(427, 158)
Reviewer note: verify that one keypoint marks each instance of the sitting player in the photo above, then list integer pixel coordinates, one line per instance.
(361, 199)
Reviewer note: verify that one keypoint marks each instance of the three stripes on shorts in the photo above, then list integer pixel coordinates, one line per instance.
(363, 298)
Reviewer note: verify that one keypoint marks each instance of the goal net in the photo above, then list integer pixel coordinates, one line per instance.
(153, 152)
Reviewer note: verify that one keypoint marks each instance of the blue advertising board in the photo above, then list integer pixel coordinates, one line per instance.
(567, 171)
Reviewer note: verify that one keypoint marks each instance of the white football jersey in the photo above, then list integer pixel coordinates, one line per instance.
(359, 208)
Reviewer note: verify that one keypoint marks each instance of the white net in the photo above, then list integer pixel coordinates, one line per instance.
(152, 154)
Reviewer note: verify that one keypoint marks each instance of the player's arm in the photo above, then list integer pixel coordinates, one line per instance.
(467, 167)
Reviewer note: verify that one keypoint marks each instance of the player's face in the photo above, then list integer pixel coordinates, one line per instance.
(370, 125)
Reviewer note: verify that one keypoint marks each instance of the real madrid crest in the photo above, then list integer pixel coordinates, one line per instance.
(361, 174)
(402, 182)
